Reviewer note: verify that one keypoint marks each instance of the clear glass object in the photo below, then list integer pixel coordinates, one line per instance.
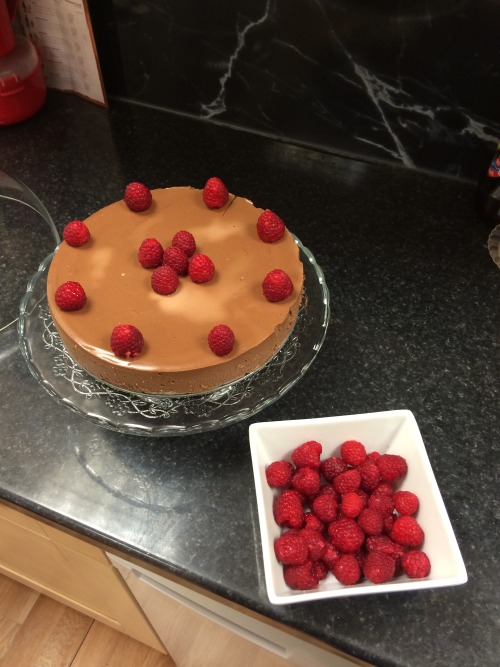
(27, 235)
(168, 415)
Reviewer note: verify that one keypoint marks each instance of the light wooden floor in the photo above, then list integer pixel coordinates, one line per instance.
(36, 631)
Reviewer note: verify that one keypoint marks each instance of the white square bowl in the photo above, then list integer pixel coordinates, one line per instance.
(393, 432)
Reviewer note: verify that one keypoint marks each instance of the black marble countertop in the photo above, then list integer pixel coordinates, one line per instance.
(414, 297)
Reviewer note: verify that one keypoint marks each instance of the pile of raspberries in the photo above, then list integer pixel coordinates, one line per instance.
(343, 515)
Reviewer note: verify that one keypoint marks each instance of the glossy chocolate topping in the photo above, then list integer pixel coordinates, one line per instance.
(176, 357)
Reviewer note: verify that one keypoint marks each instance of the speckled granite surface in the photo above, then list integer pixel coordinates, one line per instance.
(414, 325)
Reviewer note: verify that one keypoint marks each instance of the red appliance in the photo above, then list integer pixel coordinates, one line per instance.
(22, 86)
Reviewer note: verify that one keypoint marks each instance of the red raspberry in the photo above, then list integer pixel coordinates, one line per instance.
(291, 549)
(306, 481)
(332, 467)
(185, 241)
(353, 452)
(385, 544)
(70, 296)
(76, 233)
(201, 269)
(270, 227)
(346, 535)
(384, 504)
(325, 507)
(319, 570)
(215, 193)
(177, 259)
(416, 564)
(312, 522)
(288, 509)
(371, 521)
(316, 544)
(347, 481)
(407, 532)
(279, 474)
(331, 555)
(391, 467)
(150, 253)
(302, 577)
(405, 502)
(384, 489)
(328, 490)
(307, 455)
(370, 475)
(164, 280)
(378, 567)
(346, 569)
(352, 504)
(277, 286)
(126, 341)
(138, 197)
(373, 456)
(221, 340)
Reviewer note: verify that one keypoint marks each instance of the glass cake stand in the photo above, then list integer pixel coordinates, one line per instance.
(173, 414)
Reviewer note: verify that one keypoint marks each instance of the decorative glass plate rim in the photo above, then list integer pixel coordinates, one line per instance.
(160, 412)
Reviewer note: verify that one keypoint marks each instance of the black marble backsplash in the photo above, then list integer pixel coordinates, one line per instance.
(414, 82)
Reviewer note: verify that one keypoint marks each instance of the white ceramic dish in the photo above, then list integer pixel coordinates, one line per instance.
(394, 432)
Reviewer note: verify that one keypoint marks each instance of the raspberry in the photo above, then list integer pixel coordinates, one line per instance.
(177, 259)
(270, 227)
(405, 502)
(291, 549)
(312, 522)
(201, 269)
(138, 197)
(126, 341)
(385, 544)
(373, 456)
(164, 280)
(332, 467)
(347, 481)
(288, 509)
(407, 531)
(150, 253)
(391, 466)
(353, 452)
(221, 340)
(70, 296)
(352, 504)
(346, 535)
(416, 564)
(215, 193)
(371, 521)
(76, 233)
(330, 555)
(384, 489)
(316, 544)
(301, 577)
(307, 455)
(370, 475)
(185, 241)
(277, 286)
(378, 567)
(279, 474)
(307, 481)
(319, 570)
(325, 507)
(384, 504)
(346, 569)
